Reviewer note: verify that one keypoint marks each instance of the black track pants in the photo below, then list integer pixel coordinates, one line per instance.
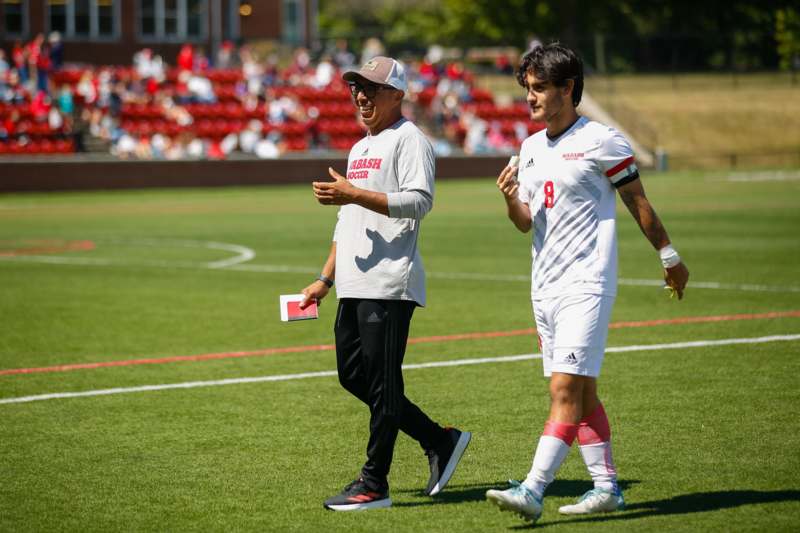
(371, 338)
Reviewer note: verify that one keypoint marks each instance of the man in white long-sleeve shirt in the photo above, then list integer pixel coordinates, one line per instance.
(380, 280)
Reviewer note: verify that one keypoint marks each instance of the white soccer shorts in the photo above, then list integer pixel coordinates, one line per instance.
(573, 331)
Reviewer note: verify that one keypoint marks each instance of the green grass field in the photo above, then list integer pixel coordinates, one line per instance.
(706, 436)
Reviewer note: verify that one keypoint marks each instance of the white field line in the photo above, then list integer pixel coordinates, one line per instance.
(622, 281)
(242, 255)
(235, 263)
(780, 175)
(751, 287)
(757, 176)
(433, 364)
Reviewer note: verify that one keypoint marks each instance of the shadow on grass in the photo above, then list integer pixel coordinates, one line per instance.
(452, 494)
(699, 502)
(577, 487)
(477, 491)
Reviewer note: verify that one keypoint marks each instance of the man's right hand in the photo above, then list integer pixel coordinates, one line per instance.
(314, 292)
(507, 184)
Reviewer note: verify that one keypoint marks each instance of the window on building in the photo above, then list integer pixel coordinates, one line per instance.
(84, 19)
(147, 18)
(173, 20)
(15, 17)
(293, 21)
(230, 20)
(106, 20)
(195, 18)
(57, 16)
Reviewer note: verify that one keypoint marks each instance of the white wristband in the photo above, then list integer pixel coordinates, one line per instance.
(669, 257)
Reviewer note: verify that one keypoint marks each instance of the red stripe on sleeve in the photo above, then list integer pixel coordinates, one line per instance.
(619, 167)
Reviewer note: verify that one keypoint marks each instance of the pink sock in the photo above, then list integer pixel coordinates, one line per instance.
(554, 445)
(594, 440)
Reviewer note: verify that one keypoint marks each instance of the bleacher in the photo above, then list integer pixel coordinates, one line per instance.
(20, 121)
(331, 121)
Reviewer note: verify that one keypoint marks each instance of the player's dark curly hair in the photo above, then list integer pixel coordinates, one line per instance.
(555, 63)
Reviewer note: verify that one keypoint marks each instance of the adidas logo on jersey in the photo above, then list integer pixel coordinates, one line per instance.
(365, 152)
(529, 164)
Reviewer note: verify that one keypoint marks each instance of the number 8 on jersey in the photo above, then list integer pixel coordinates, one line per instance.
(549, 194)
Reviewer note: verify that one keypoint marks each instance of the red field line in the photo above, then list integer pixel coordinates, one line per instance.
(38, 247)
(414, 340)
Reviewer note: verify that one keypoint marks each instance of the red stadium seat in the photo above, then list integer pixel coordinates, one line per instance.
(217, 110)
(234, 111)
(153, 111)
(66, 146)
(48, 146)
(297, 144)
(145, 128)
(61, 146)
(204, 128)
(33, 147)
(221, 128)
(173, 129)
(159, 126)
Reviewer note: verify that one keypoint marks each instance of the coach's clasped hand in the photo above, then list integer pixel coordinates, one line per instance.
(336, 192)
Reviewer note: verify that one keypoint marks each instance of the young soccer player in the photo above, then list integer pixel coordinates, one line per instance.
(568, 177)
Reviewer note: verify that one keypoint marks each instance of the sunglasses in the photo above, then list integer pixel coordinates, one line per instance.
(369, 89)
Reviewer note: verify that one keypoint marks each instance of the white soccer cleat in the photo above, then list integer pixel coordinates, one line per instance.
(596, 501)
(518, 499)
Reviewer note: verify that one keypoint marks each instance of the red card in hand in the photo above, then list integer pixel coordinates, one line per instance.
(290, 308)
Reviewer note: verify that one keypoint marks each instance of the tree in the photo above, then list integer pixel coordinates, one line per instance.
(645, 34)
(787, 34)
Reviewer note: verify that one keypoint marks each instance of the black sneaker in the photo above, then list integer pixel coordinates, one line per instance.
(357, 496)
(444, 459)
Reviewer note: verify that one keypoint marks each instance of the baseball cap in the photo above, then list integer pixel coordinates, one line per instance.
(381, 70)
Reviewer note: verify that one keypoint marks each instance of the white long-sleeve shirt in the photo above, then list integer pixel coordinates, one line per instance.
(377, 257)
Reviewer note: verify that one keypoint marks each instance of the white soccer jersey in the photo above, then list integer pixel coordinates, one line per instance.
(377, 257)
(568, 183)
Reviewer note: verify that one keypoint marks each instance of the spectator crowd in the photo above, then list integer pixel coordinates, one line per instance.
(235, 102)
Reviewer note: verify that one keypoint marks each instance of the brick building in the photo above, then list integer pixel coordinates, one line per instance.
(110, 31)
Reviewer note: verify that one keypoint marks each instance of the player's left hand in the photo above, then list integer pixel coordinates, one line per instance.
(677, 277)
(336, 192)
